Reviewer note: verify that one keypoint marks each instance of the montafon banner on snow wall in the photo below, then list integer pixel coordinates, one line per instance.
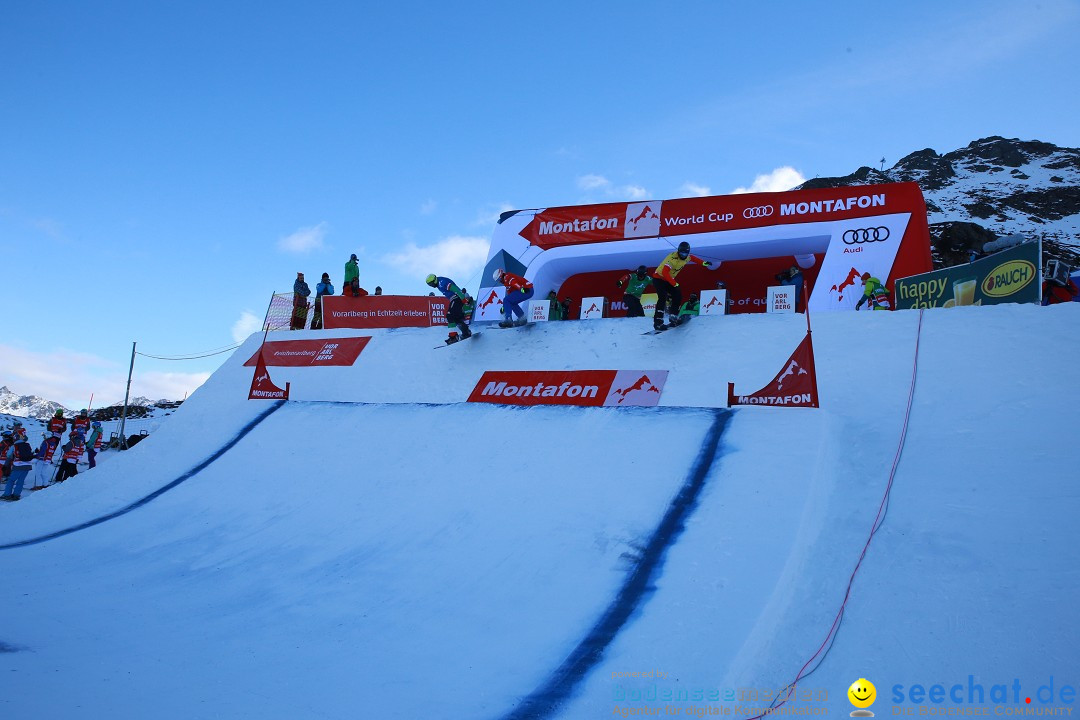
(589, 388)
(880, 229)
(1009, 276)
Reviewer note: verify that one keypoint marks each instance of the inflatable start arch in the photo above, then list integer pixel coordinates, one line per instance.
(834, 234)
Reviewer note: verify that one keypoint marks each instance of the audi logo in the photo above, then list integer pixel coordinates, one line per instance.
(760, 211)
(866, 235)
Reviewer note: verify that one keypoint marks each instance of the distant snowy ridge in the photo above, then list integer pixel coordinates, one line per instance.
(991, 188)
(27, 405)
(32, 406)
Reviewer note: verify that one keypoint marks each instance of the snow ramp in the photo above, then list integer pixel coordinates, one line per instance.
(377, 547)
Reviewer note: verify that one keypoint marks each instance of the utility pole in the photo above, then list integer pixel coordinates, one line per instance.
(882, 163)
(127, 393)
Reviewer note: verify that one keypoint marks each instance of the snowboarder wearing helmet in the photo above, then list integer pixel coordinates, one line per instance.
(18, 431)
(7, 441)
(667, 287)
(93, 443)
(518, 290)
(875, 291)
(73, 450)
(81, 422)
(455, 310)
(352, 277)
(57, 424)
(635, 284)
(17, 464)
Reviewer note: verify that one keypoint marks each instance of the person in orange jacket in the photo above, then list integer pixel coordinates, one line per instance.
(667, 286)
(518, 290)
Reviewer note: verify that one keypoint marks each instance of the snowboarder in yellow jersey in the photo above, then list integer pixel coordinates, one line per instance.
(667, 287)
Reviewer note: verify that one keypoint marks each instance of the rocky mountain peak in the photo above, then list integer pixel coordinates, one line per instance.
(994, 186)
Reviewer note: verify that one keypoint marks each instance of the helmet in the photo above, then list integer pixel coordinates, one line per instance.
(497, 275)
(17, 423)
(642, 270)
(59, 413)
(431, 280)
(96, 425)
(684, 249)
(352, 257)
(865, 276)
(83, 411)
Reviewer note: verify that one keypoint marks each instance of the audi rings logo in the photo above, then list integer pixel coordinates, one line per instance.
(761, 211)
(865, 235)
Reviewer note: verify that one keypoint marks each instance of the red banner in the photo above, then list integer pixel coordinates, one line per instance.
(589, 388)
(308, 353)
(573, 225)
(794, 386)
(262, 388)
(383, 311)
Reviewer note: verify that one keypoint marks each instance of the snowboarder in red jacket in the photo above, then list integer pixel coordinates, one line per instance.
(518, 290)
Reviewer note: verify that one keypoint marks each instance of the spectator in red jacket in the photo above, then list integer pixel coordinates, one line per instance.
(1055, 292)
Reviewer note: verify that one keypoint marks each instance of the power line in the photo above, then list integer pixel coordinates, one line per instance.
(195, 356)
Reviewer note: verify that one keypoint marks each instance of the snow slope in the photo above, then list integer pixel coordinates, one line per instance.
(376, 547)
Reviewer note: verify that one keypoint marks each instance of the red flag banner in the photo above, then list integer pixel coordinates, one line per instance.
(794, 386)
(262, 388)
(308, 353)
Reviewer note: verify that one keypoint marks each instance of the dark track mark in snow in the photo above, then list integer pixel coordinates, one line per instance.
(157, 493)
(549, 698)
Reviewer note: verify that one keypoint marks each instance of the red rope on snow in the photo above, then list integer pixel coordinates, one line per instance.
(830, 636)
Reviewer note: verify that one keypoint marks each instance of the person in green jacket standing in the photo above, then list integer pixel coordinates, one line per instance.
(634, 285)
(352, 277)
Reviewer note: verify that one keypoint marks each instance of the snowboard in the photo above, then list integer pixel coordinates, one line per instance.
(475, 334)
(513, 327)
(684, 323)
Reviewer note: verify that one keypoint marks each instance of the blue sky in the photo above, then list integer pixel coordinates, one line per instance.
(166, 166)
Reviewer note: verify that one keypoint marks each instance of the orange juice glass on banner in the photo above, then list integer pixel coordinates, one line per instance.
(964, 292)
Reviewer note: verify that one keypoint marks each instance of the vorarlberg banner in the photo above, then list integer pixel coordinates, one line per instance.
(1009, 276)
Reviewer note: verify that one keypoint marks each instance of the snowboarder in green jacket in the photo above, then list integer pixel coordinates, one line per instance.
(875, 291)
(634, 285)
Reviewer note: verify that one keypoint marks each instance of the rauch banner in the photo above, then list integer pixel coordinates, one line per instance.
(1009, 276)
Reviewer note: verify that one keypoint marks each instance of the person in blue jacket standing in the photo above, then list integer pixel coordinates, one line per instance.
(455, 313)
(323, 287)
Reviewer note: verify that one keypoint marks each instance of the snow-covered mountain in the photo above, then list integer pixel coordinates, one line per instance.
(30, 406)
(991, 188)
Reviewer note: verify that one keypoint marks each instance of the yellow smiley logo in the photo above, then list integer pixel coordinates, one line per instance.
(862, 693)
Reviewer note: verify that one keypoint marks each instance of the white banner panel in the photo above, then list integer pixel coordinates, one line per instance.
(592, 308)
(538, 310)
(781, 299)
(648, 303)
(489, 304)
(857, 246)
(713, 302)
